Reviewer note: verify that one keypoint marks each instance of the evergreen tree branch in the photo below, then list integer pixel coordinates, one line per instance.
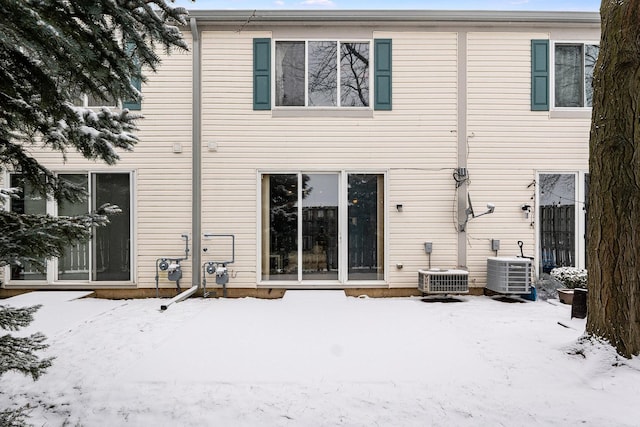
(12, 319)
(17, 354)
(31, 238)
(14, 418)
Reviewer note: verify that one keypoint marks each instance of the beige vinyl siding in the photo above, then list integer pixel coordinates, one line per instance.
(415, 144)
(508, 144)
(163, 197)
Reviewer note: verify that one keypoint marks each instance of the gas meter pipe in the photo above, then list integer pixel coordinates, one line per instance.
(166, 263)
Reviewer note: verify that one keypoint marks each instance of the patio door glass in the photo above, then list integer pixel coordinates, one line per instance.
(366, 226)
(29, 202)
(74, 264)
(320, 226)
(557, 196)
(112, 243)
(280, 227)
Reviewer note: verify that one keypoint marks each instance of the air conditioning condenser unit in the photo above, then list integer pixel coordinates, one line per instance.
(509, 275)
(438, 281)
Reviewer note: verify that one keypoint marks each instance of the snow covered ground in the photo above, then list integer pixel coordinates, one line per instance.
(318, 358)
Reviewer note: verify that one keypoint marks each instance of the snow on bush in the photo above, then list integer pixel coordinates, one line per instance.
(571, 277)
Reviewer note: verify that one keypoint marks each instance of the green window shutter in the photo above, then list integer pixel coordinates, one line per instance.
(382, 74)
(261, 74)
(133, 104)
(539, 75)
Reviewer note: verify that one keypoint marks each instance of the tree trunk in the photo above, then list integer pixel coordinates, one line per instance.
(614, 191)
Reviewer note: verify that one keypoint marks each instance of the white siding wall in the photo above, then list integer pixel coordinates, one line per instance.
(508, 143)
(415, 143)
(163, 177)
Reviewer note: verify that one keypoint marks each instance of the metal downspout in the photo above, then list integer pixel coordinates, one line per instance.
(196, 148)
(462, 144)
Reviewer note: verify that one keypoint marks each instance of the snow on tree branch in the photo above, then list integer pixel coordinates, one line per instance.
(17, 353)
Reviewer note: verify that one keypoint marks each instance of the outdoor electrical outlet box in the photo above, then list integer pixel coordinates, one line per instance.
(495, 244)
(428, 247)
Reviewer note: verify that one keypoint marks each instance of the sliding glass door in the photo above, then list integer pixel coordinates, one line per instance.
(322, 227)
(106, 256)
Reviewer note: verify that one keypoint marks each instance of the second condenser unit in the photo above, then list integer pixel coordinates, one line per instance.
(509, 275)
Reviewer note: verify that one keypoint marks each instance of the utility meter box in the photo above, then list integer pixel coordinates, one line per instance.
(222, 275)
(174, 272)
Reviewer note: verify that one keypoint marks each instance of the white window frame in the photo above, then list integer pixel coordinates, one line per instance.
(343, 273)
(552, 63)
(306, 74)
(51, 281)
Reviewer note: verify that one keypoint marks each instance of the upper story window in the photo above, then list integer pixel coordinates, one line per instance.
(322, 73)
(573, 74)
(94, 102)
(91, 101)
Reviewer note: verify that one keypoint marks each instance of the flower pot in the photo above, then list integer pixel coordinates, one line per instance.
(565, 296)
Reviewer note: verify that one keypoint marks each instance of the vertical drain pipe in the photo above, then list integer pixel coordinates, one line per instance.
(196, 171)
(462, 145)
(196, 149)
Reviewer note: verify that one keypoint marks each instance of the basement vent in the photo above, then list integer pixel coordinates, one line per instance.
(509, 275)
(436, 281)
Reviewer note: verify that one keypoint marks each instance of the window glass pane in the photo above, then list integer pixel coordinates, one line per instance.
(557, 217)
(323, 74)
(590, 56)
(78, 98)
(366, 227)
(320, 227)
(74, 264)
(354, 74)
(94, 101)
(112, 243)
(290, 70)
(569, 78)
(29, 203)
(280, 227)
